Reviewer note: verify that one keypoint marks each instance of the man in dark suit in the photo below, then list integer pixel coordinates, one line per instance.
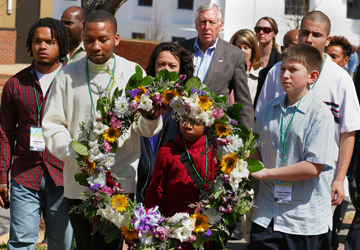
(219, 64)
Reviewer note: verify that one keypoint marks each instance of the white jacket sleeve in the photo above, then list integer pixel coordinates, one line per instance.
(146, 127)
(55, 128)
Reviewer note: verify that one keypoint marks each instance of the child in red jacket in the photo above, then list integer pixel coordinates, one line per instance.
(171, 187)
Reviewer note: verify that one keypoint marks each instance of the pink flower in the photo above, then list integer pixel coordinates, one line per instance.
(182, 77)
(134, 104)
(218, 113)
(162, 233)
(107, 190)
(187, 108)
(157, 99)
(222, 141)
(115, 122)
(225, 178)
(192, 239)
(107, 146)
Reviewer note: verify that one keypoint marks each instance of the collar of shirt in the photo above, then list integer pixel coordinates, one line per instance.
(202, 61)
(79, 48)
(304, 105)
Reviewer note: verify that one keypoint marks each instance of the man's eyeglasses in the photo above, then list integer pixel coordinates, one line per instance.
(266, 30)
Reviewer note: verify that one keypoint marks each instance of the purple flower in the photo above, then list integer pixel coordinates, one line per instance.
(207, 234)
(182, 77)
(107, 190)
(157, 99)
(162, 233)
(115, 122)
(218, 113)
(193, 90)
(107, 146)
(146, 221)
(95, 187)
(133, 92)
(233, 121)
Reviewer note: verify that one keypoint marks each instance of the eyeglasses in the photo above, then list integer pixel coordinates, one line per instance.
(266, 30)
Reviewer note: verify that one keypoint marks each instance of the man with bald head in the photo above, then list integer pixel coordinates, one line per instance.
(73, 18)
(336, 89)
(290, 38)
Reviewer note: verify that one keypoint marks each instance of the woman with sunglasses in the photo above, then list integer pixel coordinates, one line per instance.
(245, 39)
(266, 30)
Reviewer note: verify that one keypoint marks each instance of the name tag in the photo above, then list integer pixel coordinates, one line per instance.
(37, 142)
(283, 191)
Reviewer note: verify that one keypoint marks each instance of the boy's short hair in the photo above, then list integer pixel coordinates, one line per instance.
(318, 17)
(343, 43)
(101, 16)
(305, 54)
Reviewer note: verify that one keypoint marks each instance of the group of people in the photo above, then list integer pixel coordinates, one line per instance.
(305, 106)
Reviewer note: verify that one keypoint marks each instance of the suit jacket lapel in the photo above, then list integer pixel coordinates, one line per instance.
(217, 62)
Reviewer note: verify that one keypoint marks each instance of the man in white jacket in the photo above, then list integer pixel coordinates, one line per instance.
(70, 104)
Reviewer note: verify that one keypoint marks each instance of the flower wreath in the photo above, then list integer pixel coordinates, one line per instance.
(112, 213)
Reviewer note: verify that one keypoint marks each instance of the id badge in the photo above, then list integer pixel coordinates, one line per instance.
(283, 191)
(37, 142)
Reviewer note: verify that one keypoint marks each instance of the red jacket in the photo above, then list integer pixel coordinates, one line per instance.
(171, 187)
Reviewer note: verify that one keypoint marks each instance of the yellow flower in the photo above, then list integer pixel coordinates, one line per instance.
(228, 163)
(119, 202)
(168, 95)
(221, 130)
(92, 167)
(205, 102)
(131, 234)
(142, 90)
(201, 223)
(111, 134)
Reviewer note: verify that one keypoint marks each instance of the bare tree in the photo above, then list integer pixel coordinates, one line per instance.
(156, 29)
(109, 5)
(294, 12)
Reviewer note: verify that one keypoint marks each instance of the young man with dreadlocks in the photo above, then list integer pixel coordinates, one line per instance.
(36, 175)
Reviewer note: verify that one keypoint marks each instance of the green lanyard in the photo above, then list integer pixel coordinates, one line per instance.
(76, 56)
(320, 72)
(284, 137)
(187, 151)
(88, 77)
(37, 102)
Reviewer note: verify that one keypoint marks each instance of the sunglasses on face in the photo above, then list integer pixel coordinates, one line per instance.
(266, 30)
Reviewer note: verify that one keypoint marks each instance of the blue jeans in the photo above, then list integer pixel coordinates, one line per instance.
(25, 211)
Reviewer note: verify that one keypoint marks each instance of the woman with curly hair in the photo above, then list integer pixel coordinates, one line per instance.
(173, 57)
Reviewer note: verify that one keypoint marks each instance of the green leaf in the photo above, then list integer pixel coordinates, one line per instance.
(163, 74)
(146, 81)
(82, 179)
(219, 192)
(134, 79)
(174, 76)
(79, 148)
(139, 73)
(89, 212)
(106, 197)
(234, 111)
(100, 106)
(221, 99)
(115, 146)
(193, 82)
(254, 165)
(110, 235)
(241, 209)
(230, 219)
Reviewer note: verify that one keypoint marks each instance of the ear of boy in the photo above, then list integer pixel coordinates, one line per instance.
(313, 76)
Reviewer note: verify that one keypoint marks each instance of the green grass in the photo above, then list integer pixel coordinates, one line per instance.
(3, 247)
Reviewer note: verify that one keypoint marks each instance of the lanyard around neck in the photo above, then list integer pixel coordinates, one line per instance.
(320, 72)
(38, 107)
(76, 56)
(197, 173)
(284, 136)
(88, 77)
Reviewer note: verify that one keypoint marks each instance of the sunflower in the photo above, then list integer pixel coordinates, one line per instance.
(131, 234)
(205, 102)
(221, 130)
(228, 163)
(119, 202)
(91, 168)
(201, 223)
(142, 90)
(111, 134)
(168, 95)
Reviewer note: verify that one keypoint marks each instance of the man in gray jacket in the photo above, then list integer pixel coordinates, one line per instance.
(219, 64)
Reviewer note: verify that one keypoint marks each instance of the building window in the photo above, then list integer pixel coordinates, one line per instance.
(138, 36)
(145, 2)
(353, 9)
(185, 4)
(177, 38)
(296, 7)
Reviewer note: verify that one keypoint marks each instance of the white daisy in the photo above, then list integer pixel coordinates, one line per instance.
(122, 107)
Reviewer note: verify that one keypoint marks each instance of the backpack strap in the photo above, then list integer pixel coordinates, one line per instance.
(185, 160)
